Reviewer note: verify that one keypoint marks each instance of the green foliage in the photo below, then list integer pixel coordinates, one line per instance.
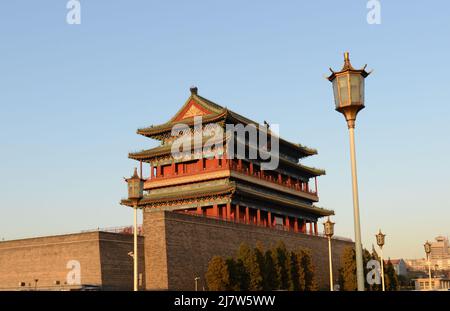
(347, 274)
(390, 277)
(294, 272)
(271, 278)
(217, 275)
(259, 269)
(280, 259)
(308, 269)
(238, 275)
(250, 262)
(348, 270)
(374, 287)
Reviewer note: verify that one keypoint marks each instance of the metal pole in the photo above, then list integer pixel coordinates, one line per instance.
(429, 271)
(331, 263)
(382, 269)
(358, 245)
(135, 252)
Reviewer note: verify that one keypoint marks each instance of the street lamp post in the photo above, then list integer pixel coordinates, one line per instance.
(135, 194)
(196, 279)
(427, 247)
(329, 231)
(348, 89)
(380, 241)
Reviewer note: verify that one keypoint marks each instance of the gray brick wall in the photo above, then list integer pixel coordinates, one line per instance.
(181, 245)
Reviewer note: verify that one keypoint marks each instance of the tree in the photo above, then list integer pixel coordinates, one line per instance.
(348, 270)
(390, 277)
(347, 274)
(250, 262)
(307, 266)
(271, 277)
(238, 275)
(374, 256)
(366, 258)
(296, 274)
(217, 275)
(256, 269)
(280, 259)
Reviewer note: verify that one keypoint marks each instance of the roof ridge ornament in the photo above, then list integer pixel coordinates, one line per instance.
(348, 67)
(347, 64)
(194, 90)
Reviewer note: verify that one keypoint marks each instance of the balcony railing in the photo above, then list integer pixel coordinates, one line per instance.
(260, 175)
(227, 164)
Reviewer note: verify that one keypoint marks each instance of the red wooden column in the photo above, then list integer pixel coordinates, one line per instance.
(251, 168)
(199, 210)
(183, 168)
(316, 232)
(317, 189)
(216, 210)
(247, 215)
(304, 226)
(287, 224)
(310, 228)
(200, 165)
(279, 178)
(238, 213)
(240, 164)
(152, 171)
(158, 171)
(224, 212)
(269, 219)
(228, 211)
(173, 168)
(295, 224)
(140, 169)
(216, 162)
(258, 216)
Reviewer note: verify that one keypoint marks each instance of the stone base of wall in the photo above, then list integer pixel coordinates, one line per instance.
(178, 248)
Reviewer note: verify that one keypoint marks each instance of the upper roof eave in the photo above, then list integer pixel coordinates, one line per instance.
(218, 113)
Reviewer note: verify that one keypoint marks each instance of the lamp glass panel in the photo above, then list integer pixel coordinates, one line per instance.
(343, 90)
(336, 92)
(355, 84)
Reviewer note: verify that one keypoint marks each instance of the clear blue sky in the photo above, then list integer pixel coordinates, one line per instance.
(72, 96)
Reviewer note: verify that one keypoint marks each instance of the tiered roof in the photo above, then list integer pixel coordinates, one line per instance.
(197, 105)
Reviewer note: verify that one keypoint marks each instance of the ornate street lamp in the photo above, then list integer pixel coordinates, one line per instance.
(329, 231)
(380, 241)
(427, 247)
(135, 194)
(348, 89)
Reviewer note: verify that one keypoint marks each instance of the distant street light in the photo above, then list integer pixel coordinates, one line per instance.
(348, 89)
(380, 241)
(135, 194)
(196, 279)
(427, 247)
(329, 231)
(435, 273)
